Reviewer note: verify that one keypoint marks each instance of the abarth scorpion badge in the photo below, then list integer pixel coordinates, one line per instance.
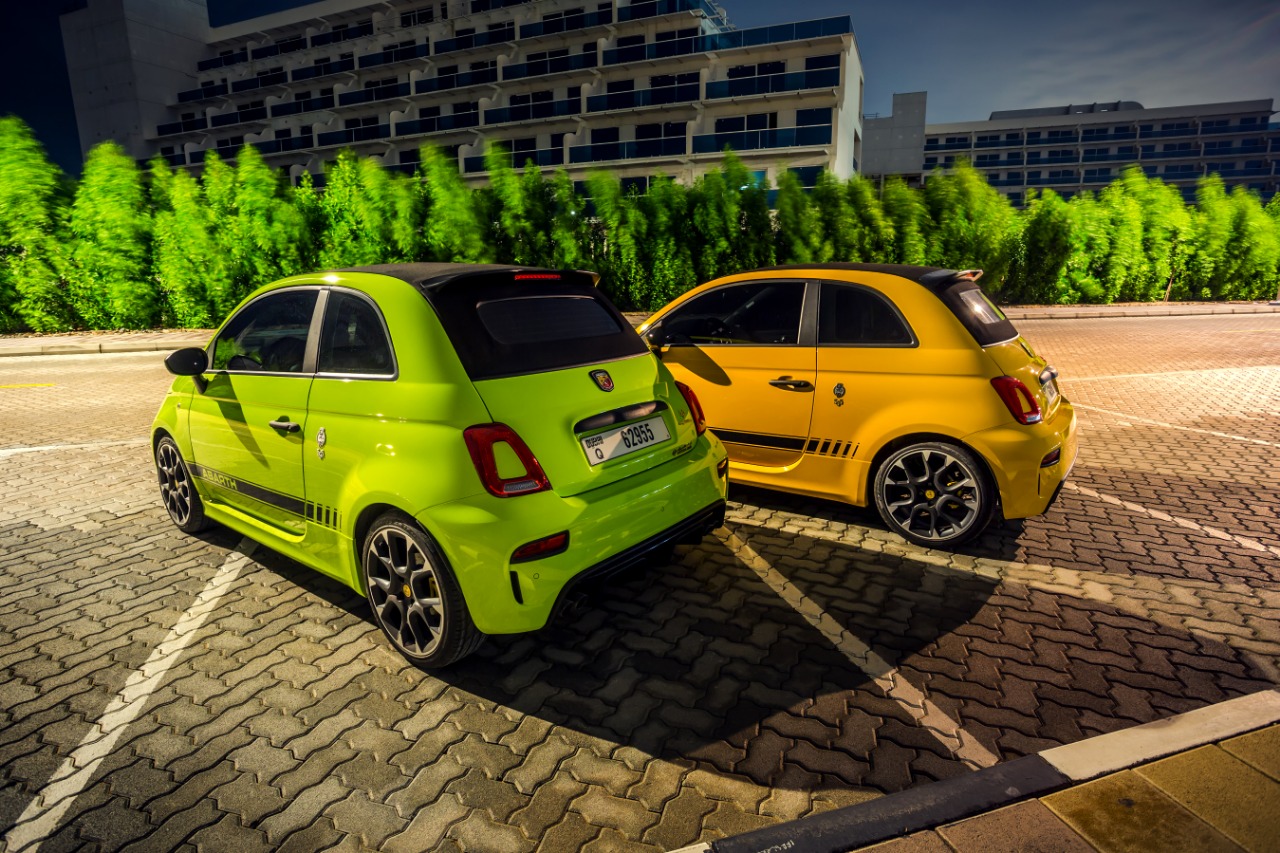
(603, 379)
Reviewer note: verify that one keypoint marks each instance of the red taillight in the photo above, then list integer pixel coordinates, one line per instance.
(548, 546)
(537, 276)
(481, 440)
(695, 408)
(1018, 398)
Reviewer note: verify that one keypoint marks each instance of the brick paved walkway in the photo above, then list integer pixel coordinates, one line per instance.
(802, 659)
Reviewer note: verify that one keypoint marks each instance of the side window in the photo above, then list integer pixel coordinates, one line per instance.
(848, 314)
(268, 336)
(353, 339)
(765, 312)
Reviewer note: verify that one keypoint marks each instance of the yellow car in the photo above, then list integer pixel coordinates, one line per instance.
(896, 386)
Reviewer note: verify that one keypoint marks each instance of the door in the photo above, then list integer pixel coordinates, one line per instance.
(741, 349)
(247, 427)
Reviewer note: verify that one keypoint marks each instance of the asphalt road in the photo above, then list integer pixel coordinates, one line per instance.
(160, 691)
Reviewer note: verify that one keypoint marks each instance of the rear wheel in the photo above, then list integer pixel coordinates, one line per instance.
(176, 489)
(414, 595)
(934, 493)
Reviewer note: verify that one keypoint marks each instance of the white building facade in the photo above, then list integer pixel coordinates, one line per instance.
(639, 88)
(1084, 147)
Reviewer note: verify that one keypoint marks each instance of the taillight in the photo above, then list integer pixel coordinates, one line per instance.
(695, 408)
(1018, 399)
(481, 441)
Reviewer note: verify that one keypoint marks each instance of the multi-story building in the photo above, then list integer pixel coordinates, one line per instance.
(1083, 147)
(646, 87)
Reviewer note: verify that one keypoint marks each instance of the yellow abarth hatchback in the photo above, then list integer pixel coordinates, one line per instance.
(896, 386)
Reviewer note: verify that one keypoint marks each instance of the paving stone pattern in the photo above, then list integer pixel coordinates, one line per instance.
(682, 705)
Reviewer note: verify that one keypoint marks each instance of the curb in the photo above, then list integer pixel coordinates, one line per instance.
(110, 347)
(1161, 311)
(939, 803)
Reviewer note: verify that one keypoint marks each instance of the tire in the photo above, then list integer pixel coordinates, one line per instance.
(415, 598)
(177, 491)
(934, 493)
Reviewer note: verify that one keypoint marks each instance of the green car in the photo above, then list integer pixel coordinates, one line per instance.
(461, 443)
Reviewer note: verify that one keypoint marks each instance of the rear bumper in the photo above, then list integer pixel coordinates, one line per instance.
(1014, 453)
(609, 529)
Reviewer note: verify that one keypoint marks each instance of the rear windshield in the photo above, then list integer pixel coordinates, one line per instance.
(503, 326)
(984, 320)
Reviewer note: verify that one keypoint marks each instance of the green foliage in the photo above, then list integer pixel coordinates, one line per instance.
(111, 227)
(32, 293)
(133, 250)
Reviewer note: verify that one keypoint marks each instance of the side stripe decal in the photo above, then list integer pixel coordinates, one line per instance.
(837, 448)
(319, 514)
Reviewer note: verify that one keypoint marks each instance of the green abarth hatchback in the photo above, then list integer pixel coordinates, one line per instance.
(461, 443)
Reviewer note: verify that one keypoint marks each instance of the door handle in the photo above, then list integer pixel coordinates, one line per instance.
(286, 425)
(791, 384)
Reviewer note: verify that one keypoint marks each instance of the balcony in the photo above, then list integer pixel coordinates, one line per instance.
(654, 8)
(1181, 154)
(825, 78)
(1129, 157)
(1163, 134)
(683, 94)
(539, 67)
(947, 146)
(729, 40)
(182, 126)
(1115, 135)
(1006, 182)
(568, 23)
(202, 93)
(456, 81)
(279, 48)
(308, 106)
(377, 93)
(1071, 139)
(1046, 182)
(1240, 149)
(177, 159)
(1232, 128)
(489, 5)
(753, 140)
(344, 34)
(1099, 179)
(998, 143)
(1049, 161)
(255, 114)
(279, 146)
(399, 54)
(1259, 172)
(223, 61)
(498, 36)
(355, 134)
(323, 69)
(262, 82)
(998, 164)
(525, 112)
(542, 158)
(641, 149)
(457, 121)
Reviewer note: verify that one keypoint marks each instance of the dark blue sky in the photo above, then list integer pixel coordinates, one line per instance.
(971, 57)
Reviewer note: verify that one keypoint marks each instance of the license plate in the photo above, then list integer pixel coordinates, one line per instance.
(623, 440)
(1050, 389)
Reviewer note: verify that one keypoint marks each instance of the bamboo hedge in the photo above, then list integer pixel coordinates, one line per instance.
(132, 248)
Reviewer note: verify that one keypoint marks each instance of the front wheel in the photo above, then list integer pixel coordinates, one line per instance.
(934, 493)
(414, 595)
(176, 489)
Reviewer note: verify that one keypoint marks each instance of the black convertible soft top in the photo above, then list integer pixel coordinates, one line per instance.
(430, 276)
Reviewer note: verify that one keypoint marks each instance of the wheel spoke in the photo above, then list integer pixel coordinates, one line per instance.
(932, 494)
(405, 591)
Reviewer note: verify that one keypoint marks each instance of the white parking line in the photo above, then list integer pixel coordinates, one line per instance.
(1073, 379)
(963, 745)
(5, 453)
(1176, 426)
(46, 811)
(1242, 541)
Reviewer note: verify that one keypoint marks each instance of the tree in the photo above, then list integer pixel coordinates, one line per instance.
(454, 231)
(569, 231)
(798, 234)
(522, 210)
(621, 231)
(909, 220)
(876, 237)
(667, 261)
(268, 232)
(111, 225)
(358, 214)
(1083, 274)
(1250, 269)
(1211, 240)
(970, 222)
(1042, 247)
(32, 292)
(187, 256)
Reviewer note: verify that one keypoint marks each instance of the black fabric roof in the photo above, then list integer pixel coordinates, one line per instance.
(930, 277)
(430, 276)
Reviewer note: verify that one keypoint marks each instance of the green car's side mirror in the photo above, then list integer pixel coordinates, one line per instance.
(188, 361)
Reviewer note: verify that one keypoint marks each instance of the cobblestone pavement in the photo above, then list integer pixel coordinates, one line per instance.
(801, 659)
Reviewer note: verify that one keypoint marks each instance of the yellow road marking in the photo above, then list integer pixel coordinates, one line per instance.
(30, 385)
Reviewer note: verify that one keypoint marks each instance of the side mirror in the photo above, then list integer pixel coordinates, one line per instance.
(189, 361)
(655, 338)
